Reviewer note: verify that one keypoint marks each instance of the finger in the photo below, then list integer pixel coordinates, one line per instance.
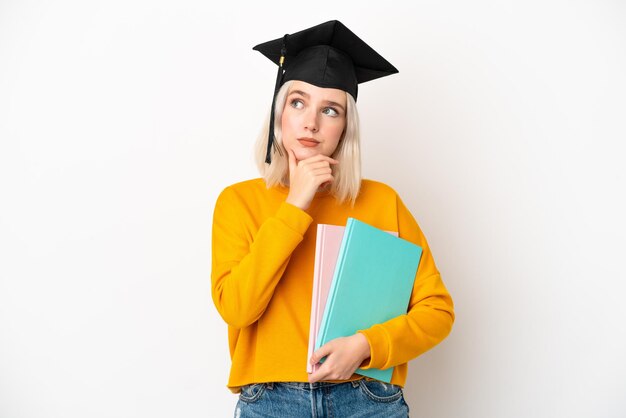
(332, 160)
(326, 181)
(321, 352)
(321, 171)
(316, 165)
(327, 371)
(321, 157)
(320, 374)
(329, 178)
(322, 180)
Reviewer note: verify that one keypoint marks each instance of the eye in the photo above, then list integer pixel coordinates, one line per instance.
(330, 111)
(296, 103)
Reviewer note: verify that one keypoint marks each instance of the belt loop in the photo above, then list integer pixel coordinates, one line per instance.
(270, 385)
(355, 383)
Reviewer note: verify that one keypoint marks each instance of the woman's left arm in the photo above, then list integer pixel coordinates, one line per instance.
(430, 315)
(427, 322)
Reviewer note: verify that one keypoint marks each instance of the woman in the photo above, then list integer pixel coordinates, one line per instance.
(264, 244)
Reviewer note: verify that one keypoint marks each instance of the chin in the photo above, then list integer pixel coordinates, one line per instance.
(304, 153)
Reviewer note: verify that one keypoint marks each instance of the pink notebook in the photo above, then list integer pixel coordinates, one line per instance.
(327, 244)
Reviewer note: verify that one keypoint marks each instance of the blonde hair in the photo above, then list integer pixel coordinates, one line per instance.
(347, 173)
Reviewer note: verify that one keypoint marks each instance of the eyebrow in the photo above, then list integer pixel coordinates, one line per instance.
(306, 96)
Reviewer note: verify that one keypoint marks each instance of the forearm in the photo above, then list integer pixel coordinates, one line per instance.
(401, 339)
(244, 275)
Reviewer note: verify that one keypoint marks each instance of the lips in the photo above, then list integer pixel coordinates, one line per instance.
(308, 142)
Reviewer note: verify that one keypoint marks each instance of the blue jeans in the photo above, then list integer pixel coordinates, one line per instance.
(361, 398)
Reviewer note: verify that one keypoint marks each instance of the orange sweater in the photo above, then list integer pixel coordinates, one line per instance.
(263, 250)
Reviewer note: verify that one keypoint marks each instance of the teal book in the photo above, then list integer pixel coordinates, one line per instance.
(371, 284)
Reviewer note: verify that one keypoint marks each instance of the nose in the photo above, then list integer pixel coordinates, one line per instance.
(310, 121)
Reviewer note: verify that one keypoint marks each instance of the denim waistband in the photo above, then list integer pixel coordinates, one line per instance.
(311, 386)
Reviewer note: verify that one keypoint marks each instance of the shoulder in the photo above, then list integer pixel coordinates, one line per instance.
(247, 184)
(243, 188)
(382, 190)
(252, 192)
(237, 193)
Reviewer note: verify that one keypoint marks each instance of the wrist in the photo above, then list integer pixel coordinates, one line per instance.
(296, 203)
(364, 346)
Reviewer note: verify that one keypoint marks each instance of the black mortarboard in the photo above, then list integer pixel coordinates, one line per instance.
(328, 55)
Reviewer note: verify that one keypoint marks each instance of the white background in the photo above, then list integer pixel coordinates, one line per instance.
(121, 121)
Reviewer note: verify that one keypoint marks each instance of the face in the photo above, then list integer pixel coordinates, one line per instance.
(313, 119)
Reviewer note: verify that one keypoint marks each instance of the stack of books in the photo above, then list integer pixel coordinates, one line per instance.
(362, 276)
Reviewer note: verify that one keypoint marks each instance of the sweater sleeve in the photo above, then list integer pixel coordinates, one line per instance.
(429, 317)
(247, 265)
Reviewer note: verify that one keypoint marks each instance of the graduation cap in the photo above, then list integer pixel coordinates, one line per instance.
(328, 55)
